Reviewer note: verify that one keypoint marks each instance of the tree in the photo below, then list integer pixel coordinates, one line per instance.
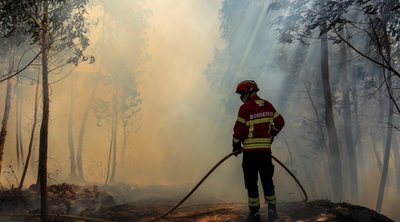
(55, 27)
(4, 122)
(73, 174)
(18, 112)
(377, 21)
(34, 123)
(121, 106)
(347, 120)
(296, 27)
(335, 165)
(79, 151)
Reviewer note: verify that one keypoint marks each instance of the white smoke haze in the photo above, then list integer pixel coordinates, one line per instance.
(174, 54)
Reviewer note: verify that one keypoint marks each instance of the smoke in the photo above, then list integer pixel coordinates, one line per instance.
(184, 68)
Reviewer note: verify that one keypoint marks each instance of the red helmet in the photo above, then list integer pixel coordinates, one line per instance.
(247, 86)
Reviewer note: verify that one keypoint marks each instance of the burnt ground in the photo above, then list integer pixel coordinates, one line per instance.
(321, 210)
(97, 202)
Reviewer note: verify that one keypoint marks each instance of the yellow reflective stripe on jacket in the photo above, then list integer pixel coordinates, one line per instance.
(257, 121)
(241, 120)
(272, 125)
(251, 129)
(257, 140)
(251, 124)
(251, 143)
(257, 146)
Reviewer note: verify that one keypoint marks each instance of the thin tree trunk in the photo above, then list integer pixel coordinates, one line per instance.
(18, 122)
(385, 167)
(33, 146)
(6, 115)
(347, 123)
(389, 87)
(73, 174)
(124, 121)
(374, 148)
(45, 117)
(21, 184)
(335, 165)
(378, 135)
(396, 152)
(115, 132)
(109, 158)
(358, 144)
(124, 139)
(110, 153)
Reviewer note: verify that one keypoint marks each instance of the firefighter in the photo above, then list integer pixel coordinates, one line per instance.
(256, 126)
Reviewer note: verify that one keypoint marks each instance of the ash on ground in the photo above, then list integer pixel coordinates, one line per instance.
(115, 203)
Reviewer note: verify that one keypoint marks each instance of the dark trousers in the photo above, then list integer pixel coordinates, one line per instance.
(254, 163)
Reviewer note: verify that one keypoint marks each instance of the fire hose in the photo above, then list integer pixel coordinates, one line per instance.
(215, 167)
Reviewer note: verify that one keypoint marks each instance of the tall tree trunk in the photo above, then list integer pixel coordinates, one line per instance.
(375, 145)
(21, 184)
(378, 135)
(18, 133)
(79, 154)
(45, 117)
(358, 144)
(33, 146)
(111, 146)
(347, 122)
(109, 156)
(6, 114)
(396, 152)
(385, 167)
(73, 174)
(124, 139)
(124, 121)
(389, 87)
(335, 165)
(115, 132)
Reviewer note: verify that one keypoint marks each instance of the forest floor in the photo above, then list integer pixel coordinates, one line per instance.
(97, 202)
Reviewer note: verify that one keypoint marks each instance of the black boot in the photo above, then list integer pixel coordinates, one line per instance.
(254, 214)
(272, 213)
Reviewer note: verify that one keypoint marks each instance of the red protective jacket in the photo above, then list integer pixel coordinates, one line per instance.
(257, 123)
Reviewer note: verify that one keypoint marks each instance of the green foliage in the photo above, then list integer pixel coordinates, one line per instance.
(67, 28)
(362, 16)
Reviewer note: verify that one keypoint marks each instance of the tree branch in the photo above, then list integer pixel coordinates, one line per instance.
(9, 76)
(364, 55)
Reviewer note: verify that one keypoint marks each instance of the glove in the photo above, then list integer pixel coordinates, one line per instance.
(237, 148)
(273, 132)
